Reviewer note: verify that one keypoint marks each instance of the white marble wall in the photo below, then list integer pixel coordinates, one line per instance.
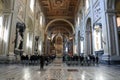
(96, 12)
(102, 11)
(6, 8)
(19, 11)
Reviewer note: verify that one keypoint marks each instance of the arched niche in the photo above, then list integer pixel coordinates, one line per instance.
(19, 38)
(89, 47)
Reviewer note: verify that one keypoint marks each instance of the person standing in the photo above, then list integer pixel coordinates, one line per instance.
(41, 62)
(97, 60)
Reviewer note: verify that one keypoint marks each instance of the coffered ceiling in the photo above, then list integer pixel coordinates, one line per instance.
(59, 8)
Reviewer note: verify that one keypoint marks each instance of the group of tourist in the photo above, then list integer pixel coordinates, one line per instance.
(81, 60)
(37, 59)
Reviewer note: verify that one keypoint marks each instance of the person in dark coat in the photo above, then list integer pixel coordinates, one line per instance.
(41, 62)
(97, 59)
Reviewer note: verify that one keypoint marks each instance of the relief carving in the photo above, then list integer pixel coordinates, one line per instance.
(97, 11)
(24, 1)
(21, 11)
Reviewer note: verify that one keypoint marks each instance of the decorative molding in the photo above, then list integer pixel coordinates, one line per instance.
(64, 17)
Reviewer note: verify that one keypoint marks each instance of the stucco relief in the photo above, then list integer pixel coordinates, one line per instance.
(23, 1)
(21, 11)
(97, 11)
(59, 3)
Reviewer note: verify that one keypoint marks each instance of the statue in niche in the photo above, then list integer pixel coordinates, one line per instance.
(20, 28)
(20, 40)
(36, 44)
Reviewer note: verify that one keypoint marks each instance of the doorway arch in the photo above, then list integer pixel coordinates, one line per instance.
(113, 29)
(52, 29)
(117, 8)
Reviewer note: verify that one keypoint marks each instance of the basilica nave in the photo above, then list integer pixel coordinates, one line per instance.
(59, 39)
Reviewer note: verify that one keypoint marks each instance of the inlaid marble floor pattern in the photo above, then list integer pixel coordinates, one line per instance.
(59, 71)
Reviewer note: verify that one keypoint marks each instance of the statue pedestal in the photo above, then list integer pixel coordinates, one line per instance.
(18, 52)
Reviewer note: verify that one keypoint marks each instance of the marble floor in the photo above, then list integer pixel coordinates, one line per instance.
(59, 71)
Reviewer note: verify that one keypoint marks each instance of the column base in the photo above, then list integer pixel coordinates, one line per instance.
(3, 59)
(110, 60)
